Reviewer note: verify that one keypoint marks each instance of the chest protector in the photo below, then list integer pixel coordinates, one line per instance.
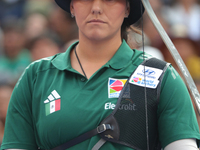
(133, 122)
(134, 119)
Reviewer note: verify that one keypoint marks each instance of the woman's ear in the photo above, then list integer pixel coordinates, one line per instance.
(127, 10)
(72, 8)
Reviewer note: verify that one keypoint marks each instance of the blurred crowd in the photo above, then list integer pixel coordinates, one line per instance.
(34, 29)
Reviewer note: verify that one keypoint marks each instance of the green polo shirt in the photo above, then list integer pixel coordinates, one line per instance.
(52, 103)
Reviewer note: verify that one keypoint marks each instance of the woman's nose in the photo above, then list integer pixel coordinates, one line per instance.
(97, 6)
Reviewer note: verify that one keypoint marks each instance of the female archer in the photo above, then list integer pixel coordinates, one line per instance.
(62, 97)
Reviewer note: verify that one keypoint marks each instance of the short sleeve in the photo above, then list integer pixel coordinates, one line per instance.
(19, 130)
(176, 115)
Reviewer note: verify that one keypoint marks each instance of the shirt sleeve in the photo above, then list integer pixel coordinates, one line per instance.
(176, 116)
(19, 129)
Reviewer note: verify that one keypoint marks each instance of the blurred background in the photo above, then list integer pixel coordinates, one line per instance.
(34, 29)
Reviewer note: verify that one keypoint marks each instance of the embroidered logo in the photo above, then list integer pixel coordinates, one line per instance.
(109, 136)
(128, 106)
(115, 86)
(52, 104)
(146, 76)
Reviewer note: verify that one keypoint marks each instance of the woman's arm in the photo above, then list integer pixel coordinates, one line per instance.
(19, 127)
(184, 144)
(176, 116)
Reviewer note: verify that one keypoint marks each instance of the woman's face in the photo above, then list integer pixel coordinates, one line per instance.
(99, 19)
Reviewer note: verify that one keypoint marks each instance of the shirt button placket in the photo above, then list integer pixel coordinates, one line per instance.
(83, 79)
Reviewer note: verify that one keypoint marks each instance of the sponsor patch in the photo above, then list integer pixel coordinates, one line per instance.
(52, 103)
(146, 76)
(115, 86)
(126, 106)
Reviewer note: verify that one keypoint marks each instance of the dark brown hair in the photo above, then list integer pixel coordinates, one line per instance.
(126, 26)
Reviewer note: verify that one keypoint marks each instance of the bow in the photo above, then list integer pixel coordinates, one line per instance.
(176, 56)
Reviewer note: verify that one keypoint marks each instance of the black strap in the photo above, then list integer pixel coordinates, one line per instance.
(84, 137)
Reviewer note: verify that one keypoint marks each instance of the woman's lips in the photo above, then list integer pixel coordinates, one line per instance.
(96, 21)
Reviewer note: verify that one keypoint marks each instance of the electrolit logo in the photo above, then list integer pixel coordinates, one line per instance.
(129, 106)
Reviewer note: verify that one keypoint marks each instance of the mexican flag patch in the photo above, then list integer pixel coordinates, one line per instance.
(53, 103)
(52, 107)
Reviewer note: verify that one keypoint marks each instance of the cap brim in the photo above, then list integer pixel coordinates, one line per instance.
(64, 4)
(136, 11)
